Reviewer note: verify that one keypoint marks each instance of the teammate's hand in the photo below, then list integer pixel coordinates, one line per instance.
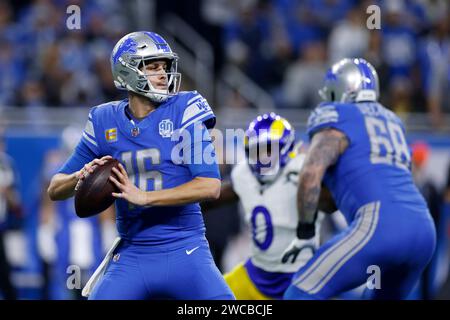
(88, 169)
(300, 250)
(128, 190)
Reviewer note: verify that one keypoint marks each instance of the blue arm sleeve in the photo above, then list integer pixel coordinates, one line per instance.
(82, 155)
(203, 161)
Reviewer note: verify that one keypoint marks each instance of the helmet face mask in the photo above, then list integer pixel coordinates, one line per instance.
(172, 80)
(128, 63)
(269, 140)
(264, 164)
(350, 80)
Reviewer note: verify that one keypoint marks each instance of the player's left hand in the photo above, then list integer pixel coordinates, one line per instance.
(300, 249)
(128, 190)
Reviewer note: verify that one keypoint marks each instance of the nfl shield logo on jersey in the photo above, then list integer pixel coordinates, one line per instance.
(166, 128)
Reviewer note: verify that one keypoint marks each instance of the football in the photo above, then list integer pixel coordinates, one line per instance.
(94, 193)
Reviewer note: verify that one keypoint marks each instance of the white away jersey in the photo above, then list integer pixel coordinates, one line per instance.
(271, 212)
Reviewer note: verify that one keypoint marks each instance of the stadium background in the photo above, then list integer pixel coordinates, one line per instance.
(245, 57)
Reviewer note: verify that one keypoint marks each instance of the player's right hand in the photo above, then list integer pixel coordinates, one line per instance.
(300, 249)
(89, 168)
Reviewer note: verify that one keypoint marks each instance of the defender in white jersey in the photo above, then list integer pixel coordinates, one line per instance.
(266, 184)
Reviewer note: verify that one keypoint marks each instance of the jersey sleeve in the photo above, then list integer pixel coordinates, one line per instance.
(197, 109)
(201, 158)
(333, 116)
(195, 118)
(82, 155)
(86, 150)
(89, 135)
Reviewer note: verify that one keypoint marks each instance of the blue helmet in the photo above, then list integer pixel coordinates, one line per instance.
(350, 80)
(268, 142)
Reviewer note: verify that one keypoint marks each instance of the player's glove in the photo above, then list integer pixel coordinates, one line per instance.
(303, 247)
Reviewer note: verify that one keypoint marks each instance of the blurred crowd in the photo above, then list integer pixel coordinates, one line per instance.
(46, 64)
(283, 45)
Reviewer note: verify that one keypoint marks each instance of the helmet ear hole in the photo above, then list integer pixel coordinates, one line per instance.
(333, 97)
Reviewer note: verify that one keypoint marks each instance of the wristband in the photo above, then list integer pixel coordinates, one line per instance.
(306, 231)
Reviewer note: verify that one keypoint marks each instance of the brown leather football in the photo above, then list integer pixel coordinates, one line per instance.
(94, 194)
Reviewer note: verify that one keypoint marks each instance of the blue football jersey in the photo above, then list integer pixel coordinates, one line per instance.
(376, 165)
(146, 149)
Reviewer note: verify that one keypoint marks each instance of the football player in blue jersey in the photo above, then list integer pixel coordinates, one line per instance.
(162, 252)
(358, 150)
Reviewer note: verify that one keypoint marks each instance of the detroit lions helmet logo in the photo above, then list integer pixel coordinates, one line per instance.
(127, 46)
